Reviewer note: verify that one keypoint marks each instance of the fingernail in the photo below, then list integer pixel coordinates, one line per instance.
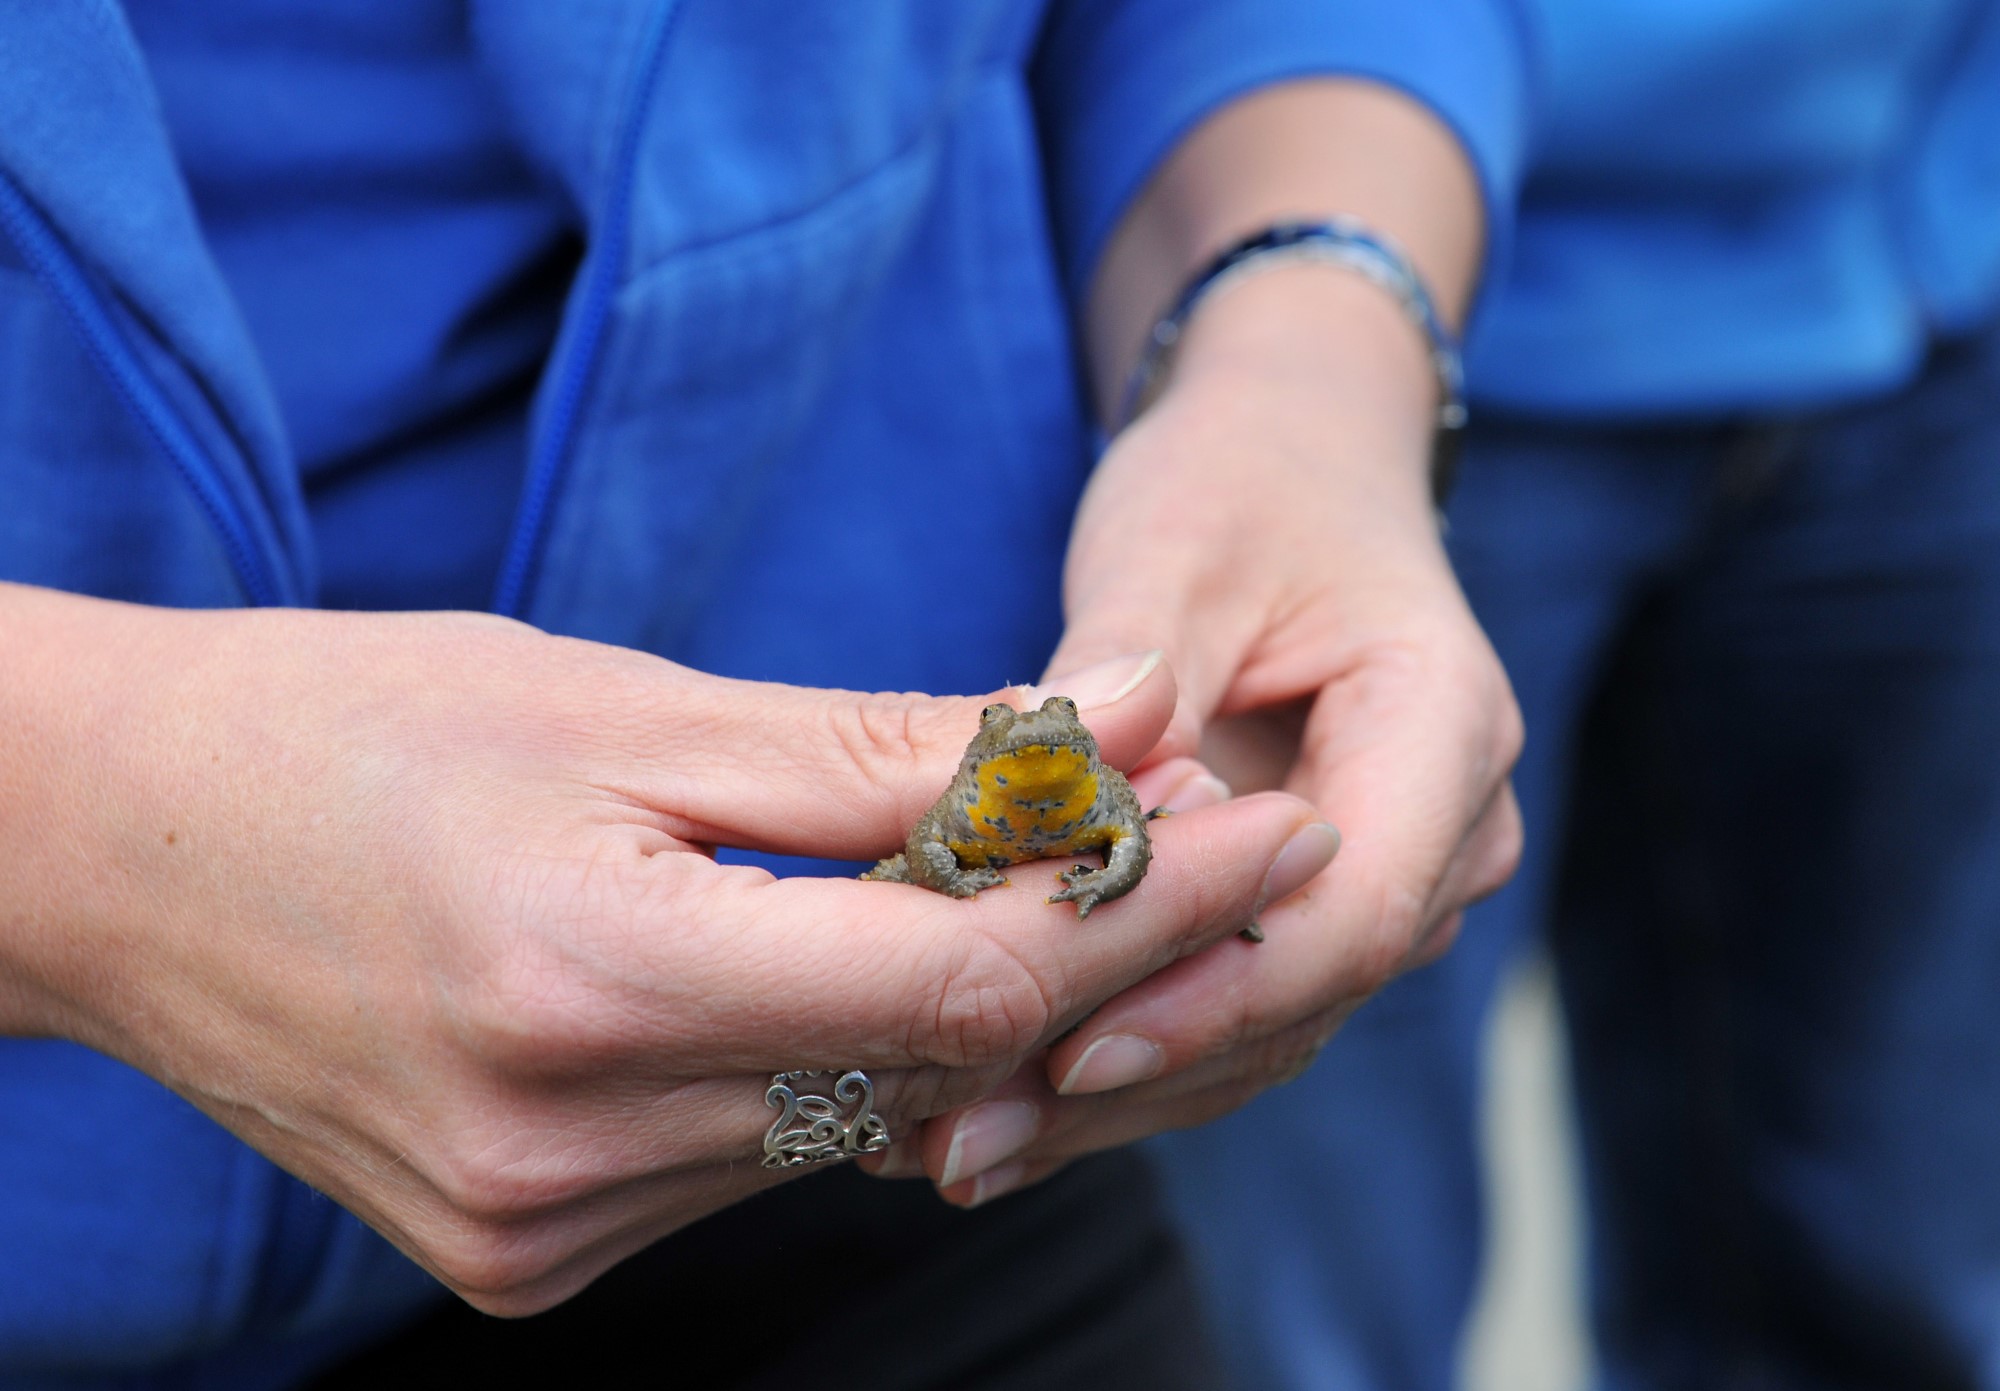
(987, 1134)
(1103, 683)
(1114, 1061)
(1203, 790)
(996, 1183)
(1310, 850)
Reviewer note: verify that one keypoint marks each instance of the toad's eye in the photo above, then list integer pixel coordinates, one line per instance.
(1062, 703)
(994, 712)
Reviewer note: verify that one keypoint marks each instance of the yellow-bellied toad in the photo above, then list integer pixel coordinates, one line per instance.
(1030, 787)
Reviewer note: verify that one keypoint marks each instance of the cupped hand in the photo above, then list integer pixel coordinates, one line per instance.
(1274, 535)
(424, 908)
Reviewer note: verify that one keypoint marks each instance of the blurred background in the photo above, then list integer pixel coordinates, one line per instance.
(1528, 1331)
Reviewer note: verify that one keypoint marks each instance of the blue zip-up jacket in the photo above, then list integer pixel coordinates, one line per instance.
(830, 254)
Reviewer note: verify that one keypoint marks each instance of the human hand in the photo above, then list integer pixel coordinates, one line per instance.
(422, 906)
(1270, 528)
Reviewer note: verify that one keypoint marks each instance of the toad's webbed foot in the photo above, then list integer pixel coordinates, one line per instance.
(1087, 887)
(1125, 861)
(1082, 886)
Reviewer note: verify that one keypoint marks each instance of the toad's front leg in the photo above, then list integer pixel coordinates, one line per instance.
(932, 864)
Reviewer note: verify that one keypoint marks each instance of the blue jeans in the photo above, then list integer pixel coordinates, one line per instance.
(1760, 669)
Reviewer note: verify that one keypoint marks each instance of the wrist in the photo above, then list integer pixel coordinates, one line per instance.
(63, 697)
(1338, 243)
(1313, 348)
(1297, 151)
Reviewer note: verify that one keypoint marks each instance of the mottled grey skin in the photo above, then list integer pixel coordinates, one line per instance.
(998, 835)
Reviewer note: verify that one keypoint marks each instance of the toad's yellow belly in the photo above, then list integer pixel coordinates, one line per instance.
(1030, 803)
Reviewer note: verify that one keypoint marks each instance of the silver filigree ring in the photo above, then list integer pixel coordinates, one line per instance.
(811, 1128)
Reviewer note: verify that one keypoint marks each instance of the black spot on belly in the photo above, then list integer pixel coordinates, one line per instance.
(1000, 778)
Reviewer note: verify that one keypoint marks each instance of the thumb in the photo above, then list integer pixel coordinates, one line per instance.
(1098, 631)
(842, 774)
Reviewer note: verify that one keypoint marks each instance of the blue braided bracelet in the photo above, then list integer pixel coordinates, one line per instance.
(1340, 242)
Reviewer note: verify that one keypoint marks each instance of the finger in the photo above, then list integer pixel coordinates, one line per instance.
(752, 974)
(1485, 861)
(998, 1183)
(556, 1189)
(1433, 816)
(1204, 620)
(550, 1146)
(1075, 1125)
(1489, 857)
(1026, 1120)
(1179, 784)
(1096, 637)
(835, 774)
(1406, 777)
(1214, 1003)
(1409, 749)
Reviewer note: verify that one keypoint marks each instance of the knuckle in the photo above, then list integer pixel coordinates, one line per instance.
(1437, 941)
(877, 737)
(1506, 729)
(1473, 669)
(1264, 1030)
(1244, 1022)
(1492, 851)
(1401, 917)
(1400, 923)
(988, 1006)
(492, 1267)
(518, 1015)
(884, 746)
(1245, 1017)
(1501, 857)
(1285, 1056)
(1511, 735)
(547, 1002)
(488, 1179)
(1285, 1066)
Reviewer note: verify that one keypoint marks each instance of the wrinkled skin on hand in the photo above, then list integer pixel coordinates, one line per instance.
(424, 907)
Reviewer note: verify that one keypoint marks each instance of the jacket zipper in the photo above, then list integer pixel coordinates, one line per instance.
(51, 260)
(555, 444)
